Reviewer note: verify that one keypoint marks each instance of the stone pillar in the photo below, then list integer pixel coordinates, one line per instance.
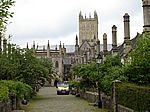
(127, 42)
(105, 44)
(146, 15)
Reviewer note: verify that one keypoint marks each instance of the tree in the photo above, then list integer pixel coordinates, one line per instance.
(138, 70)
(5, 14)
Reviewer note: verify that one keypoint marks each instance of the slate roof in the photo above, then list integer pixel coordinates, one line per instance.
(69, 48)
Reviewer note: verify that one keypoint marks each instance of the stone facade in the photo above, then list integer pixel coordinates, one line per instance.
(86, 47)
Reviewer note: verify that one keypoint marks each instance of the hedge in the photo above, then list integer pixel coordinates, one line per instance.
(133, 96)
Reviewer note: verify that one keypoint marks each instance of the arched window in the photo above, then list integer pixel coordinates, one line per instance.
(56, 64)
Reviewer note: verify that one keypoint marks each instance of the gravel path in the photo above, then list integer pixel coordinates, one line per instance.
(48, 101)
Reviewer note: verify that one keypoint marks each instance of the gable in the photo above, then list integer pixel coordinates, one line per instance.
(85, 46)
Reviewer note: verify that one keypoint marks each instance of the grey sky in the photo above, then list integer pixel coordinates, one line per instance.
(57, 20)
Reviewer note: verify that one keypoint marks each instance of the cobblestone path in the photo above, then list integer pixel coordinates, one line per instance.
(48, 101)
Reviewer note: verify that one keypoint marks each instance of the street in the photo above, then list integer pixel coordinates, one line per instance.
(47, 101)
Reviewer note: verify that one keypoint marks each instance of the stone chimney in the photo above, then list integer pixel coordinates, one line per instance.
(127, 42)
(105, 44)
(114, 39)
(146, 15)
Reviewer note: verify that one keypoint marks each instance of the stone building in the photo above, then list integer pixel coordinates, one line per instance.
(86, 47)
(87, 44)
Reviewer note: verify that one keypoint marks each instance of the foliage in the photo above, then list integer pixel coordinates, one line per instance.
(23, 66)
(5, 5)
(102, 74)
(133, 96)
(4, 93)
(138, 70)
(112, 70)
(74, 83)
(19, 89)
(88, 74)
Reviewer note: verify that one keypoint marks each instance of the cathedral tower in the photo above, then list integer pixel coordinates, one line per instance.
(88, 27)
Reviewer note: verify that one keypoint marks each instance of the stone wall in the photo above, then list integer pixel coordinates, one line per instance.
(106, 101)
(5, 107)
(124, 109)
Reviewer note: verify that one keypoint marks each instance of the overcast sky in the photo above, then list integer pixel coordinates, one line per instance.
(57, 20)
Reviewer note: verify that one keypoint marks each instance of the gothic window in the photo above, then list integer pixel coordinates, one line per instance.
(56, 64)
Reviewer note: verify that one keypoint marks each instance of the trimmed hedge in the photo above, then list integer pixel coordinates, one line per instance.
(133, 96)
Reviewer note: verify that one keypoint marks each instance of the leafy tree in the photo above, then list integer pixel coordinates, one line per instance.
(22, 65)
(138, 70)
(104, 74)
(5, 14)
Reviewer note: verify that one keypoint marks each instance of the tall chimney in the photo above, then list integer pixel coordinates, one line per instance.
(114, 39)
(105, 44)
(146, 15)
(127, 42)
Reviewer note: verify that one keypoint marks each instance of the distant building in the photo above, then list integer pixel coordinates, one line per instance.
(87, 44)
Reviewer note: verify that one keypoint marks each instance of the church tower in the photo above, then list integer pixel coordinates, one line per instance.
(88, 28)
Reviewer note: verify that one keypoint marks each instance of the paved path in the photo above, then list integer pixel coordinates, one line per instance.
(48, 101)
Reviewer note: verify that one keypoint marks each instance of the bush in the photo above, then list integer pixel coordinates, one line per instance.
(16, 88)
(4, 93)
(74, 83)
(133, 96)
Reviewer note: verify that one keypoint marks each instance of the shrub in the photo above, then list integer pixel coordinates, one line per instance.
(4, 93)
(74, 84)
(133, 96)
(16, 88)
